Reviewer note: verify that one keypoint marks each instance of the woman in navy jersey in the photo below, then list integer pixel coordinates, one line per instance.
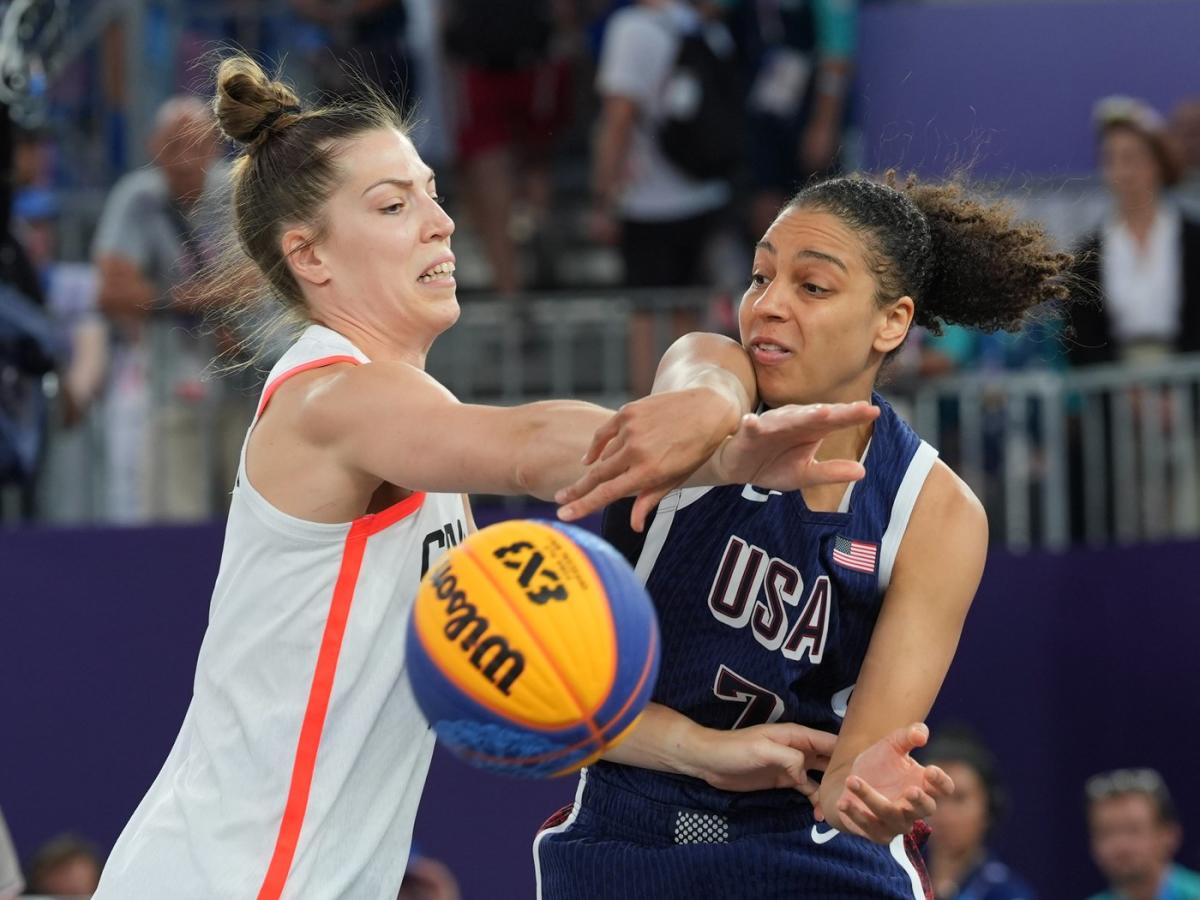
(836, 608)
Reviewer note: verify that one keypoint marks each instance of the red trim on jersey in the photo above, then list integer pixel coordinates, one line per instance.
(913, 842)
(374, 523)
(271, 388)
(322, 688)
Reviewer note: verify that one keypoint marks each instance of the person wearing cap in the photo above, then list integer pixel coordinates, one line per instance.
(1135, 835)
(961, 867)
(1144, 261)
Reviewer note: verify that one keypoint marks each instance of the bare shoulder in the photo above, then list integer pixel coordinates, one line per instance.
(948, 501)
(948, 528)
(330, 402)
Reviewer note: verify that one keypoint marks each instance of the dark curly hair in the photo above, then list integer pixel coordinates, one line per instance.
(963, 261)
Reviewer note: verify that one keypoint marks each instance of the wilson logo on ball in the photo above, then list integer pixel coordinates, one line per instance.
(463, 617)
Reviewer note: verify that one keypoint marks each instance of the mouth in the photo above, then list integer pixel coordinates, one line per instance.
(439, 273)
(768, 353)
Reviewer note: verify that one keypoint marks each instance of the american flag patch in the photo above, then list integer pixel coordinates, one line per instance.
(857, 555)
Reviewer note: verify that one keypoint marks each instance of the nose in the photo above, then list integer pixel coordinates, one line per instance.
(770, 305)
(438, 225)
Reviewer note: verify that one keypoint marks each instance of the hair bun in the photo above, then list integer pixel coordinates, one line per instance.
(249, 104)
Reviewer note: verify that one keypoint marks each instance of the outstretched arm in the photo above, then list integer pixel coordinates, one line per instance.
(393, 422)
(873, 787)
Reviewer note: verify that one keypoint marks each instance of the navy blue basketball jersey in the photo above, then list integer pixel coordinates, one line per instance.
(766, 607)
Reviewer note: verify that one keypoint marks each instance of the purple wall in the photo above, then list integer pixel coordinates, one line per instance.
(1013, 83)
(1069, 664)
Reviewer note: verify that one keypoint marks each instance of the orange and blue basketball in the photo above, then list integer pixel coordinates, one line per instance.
(532, 648)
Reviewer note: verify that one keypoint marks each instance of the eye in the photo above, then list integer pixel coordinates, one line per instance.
(758, 280)
(439, 199)
(393, 208)
(815, 289)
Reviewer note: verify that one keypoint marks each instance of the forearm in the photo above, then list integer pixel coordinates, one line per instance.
(553, 436)
(720, 366)
(611, 150)
(663, 740)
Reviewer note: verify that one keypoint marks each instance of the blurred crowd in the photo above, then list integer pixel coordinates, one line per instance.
(577, 138)
(1132, 825)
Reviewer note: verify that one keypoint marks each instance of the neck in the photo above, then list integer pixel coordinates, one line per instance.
(948, 867)
(1146, 888)
(377, 344)
(1139, 217)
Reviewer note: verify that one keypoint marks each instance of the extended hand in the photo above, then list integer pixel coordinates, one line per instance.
(887, 790)
(778, 449)
(653, 445)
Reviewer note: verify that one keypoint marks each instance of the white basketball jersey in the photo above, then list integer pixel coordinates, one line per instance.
(301, 759)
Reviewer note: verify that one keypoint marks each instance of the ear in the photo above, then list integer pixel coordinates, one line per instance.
(304, 257)
(895, 323)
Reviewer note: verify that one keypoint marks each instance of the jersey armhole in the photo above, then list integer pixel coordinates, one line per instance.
(918, 471)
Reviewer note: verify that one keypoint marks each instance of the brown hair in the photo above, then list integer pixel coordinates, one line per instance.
(963, 261)
(283, 175)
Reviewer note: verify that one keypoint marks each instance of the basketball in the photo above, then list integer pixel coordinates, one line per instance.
(532, 648)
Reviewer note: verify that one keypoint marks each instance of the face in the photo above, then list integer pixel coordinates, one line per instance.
(385, 260)
(961, 821)
(1130, 168)
(77, 876)
(184, 147)
(809, 318)
(1129, 842)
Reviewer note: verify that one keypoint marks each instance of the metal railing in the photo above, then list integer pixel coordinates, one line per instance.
(1098, 455)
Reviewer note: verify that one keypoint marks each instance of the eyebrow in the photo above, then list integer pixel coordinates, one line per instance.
(805, 254)
(399, 182)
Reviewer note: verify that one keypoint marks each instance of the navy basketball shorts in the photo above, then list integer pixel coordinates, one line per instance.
(613, 844)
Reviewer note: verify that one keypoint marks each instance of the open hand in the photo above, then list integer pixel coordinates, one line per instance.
(887, 790)
(778, 449)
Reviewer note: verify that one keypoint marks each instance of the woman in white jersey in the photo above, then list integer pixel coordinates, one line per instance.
(301, 759)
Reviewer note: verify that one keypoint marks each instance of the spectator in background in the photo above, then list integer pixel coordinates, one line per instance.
(662, 219)
(427, 879)
(799, 57)
(960, 865)
(1135, 835)
(1185, 130)
(66, 866)
(367, 38)
(155, 234)
(11, 882)
(1144, 263)
(514, 102)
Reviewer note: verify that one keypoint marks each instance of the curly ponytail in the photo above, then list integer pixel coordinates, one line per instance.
(962, 260)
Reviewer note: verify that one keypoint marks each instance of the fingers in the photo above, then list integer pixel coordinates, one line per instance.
(937, 783)
(833, 471)
(882, 819)
(793, 770)
(600, 439)
(908, 738)
(817, 419)
(645, 502)
(817, 745)
(603, 493)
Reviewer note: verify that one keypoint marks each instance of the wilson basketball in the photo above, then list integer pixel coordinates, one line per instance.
(532, 648)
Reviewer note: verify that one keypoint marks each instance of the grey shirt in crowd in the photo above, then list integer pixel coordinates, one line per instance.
(11, 883)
